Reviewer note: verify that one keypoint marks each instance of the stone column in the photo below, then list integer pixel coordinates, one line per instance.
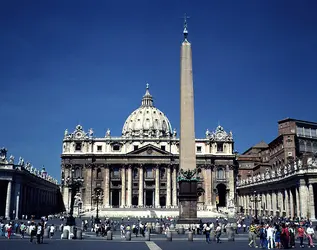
(8, 201)
(286, 203)
(298, 211)
(311, 199)
(174, 182)
(304, 201)
(280, 202)
(129, 194)
(17, 202)
(157, 187)
(291, 203)
(168, 187)
(106, 202)
(274, 205)
(207, 186)
(123, 188)
(141, 186)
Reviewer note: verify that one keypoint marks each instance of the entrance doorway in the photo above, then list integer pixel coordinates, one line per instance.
(115, 201)
(149, 198)
(222, 193)
(135, 200)
(163, 201)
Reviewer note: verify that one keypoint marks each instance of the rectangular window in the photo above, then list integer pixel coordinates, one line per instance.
(307, 132)
(115, 172)
(99, 148)
(163, 148)
(149, 173)
(135, 147)
(198, 149)
(116, 148)
(299, 131)
(219, 147)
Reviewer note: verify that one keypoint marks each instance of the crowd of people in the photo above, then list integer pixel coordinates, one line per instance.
(281, 234)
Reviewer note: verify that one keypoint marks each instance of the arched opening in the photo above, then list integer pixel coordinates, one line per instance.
(221, 193)
(163, 201)
(135, 200)
(115, 198)
(98, 175)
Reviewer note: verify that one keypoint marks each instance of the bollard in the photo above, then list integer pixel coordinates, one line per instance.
(230, 233)
(79, 234)
(181, 230)
(147, 236)
(128, 236)
(46, 233)
(109, 235)
(169, 236)
(65, 234)
(190, 236)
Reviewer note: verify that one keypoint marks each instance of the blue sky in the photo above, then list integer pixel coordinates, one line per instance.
(69, 62)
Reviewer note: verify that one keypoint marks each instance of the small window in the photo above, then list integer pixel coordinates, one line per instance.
(198, 149)
(219, 147)
(116, 147)
(99, 148)
(136, 147)
(163, 148)
(135, 184)
(162, 184)
(78, 147)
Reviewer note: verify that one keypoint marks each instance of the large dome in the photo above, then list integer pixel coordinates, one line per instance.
(147, 121)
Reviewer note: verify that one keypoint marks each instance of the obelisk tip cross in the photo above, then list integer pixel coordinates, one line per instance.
(185, 32)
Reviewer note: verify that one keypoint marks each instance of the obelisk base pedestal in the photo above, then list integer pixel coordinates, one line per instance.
(187, 204)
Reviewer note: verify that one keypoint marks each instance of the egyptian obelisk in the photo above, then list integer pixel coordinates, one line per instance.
(187, 155)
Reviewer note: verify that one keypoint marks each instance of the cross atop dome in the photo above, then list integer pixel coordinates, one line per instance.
(147, 99)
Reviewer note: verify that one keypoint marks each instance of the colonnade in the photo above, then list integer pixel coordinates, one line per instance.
(22, 199)
(291, 202)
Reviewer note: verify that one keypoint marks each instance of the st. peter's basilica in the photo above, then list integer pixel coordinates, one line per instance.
(140, 167)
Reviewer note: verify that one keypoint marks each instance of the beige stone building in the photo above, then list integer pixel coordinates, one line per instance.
(140, 167)
(281, 175)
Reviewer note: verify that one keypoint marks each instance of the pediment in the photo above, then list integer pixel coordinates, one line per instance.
(149, 150)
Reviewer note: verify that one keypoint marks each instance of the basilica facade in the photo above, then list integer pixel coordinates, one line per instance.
(140, 167)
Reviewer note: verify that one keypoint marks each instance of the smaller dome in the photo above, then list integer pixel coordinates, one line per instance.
(147, 120)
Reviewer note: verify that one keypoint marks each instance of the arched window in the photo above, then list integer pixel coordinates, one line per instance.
(98, 176)
(220, 174)
(76, 172)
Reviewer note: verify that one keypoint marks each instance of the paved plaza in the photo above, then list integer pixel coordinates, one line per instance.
(102, 244)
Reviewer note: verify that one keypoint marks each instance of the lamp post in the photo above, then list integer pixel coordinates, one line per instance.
(255, 198)
(97, 196)
(74, 183)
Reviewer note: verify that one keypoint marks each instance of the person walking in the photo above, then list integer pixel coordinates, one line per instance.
(252, 235)
(207, 233)
(301, 234)
(310, 233)
(218, 233)
(38, 233)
